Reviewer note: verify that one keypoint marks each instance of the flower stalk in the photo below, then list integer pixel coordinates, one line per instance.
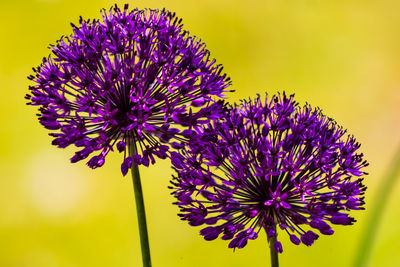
(140, 210)
(274, 253)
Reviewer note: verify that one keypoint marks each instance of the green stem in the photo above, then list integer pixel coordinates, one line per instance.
(274, 254)
(375, 215)
(141, 214)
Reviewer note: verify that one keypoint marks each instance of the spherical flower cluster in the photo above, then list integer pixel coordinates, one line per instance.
(267, 164)
(133, 79)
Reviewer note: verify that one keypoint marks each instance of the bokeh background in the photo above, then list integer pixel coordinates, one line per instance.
(341, 55)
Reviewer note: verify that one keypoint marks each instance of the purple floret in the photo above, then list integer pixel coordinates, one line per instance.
(269, 164)
(133, 78)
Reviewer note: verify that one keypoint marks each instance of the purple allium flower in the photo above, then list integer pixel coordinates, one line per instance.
(127, 79)
(267, 164)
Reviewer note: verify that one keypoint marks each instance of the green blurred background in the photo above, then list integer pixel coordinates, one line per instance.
(342, 56)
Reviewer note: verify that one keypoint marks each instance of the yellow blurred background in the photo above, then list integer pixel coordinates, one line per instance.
(341, 55)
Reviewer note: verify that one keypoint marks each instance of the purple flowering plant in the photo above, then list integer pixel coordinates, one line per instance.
(134, 78)
(269, 164)
(133, 81)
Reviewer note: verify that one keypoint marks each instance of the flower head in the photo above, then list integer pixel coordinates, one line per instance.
(126, 80)
(267, 164)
